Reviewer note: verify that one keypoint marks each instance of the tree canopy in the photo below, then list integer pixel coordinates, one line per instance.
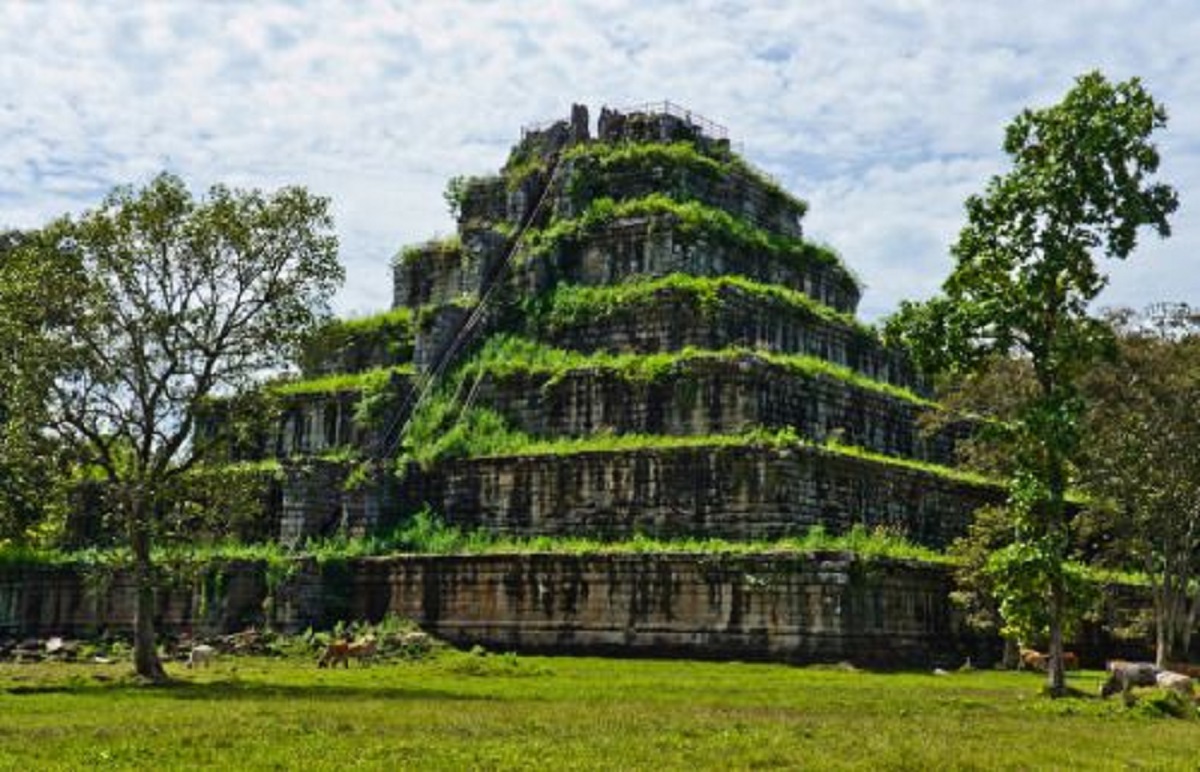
(1025, 275)
(167, 301)
(1143, 422)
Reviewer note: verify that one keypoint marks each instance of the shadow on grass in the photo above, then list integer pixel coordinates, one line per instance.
(236, 689)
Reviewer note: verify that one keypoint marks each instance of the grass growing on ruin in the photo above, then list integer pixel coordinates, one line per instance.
(342, 382)
(489, 711)
(506, 356)
(693, 220)
(570, 305)
(390, 331)
(596, 161)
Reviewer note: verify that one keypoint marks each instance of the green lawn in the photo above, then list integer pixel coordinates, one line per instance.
(499, 712)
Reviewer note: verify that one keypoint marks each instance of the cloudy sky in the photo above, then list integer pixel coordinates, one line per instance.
(883, 115)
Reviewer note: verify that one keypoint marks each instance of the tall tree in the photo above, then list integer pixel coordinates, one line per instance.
(1025, 274)
(182, 300)
(1143, 423)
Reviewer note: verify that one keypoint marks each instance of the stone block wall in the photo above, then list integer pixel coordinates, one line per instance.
(313, 423)
(355, 346)
(435, 273)
(802, 608)
(650, 247)
(716, 396)
(318, 422)
(312, 499)
(738, 194)
(673, 321)
(790, 607)
(439, 327)
(740, 493)
(322, 497)
(798, 607)
(61, 600)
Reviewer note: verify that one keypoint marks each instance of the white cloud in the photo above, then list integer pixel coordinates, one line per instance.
(884, 115)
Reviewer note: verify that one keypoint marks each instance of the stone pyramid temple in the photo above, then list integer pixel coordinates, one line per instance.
(628, 341)
(628, 337)
(628, 334)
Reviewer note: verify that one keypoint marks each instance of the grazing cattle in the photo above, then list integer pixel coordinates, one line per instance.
(335, 652)
(1033, 660)
(201, 655)
(1186, 668)
(1123, 676)
(363, 651)
(1176, 682)
(342, 651)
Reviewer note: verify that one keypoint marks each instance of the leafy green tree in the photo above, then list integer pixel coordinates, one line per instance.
(1025, 274)
(34, 298)
(180, 300)
(1142, 427)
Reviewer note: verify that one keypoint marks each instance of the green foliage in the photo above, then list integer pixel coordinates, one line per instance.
(516, 173)
(691, 220)
(1024, 278)
(1142, 413)
(1022, 575)
(437, 248)
(508, 356)
(343, 382)
(353, 344)
(454, 194)
(172, 301)
(37, 290)
(214, 502)
(596, 162)
(571, 305)
(1166, 704)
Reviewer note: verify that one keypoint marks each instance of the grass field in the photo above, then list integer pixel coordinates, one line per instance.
(461, 710)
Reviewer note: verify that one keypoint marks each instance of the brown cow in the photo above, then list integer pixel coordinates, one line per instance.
(335, 652)
(363, 651)
(1035, 660)
(342, 650)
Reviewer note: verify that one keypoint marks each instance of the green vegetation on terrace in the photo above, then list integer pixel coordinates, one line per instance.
(441, 428)
(692, 220)
(354, 344)
(570, 305)
(506, 356)
(426, 533)
(753, 438)
(368, 380)
(483, 710)
(593, 161)
(441, 247)
(383, 322)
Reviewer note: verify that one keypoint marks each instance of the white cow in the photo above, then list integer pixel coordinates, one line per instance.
(201, 655)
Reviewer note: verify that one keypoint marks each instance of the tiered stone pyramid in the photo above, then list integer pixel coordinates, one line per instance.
(629, 334)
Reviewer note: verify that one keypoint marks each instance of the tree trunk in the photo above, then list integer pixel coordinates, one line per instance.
(1185, 637)
(1055, 676)
(1161, 624)
(1057, 530)
(145, 653)
(1011, 659)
